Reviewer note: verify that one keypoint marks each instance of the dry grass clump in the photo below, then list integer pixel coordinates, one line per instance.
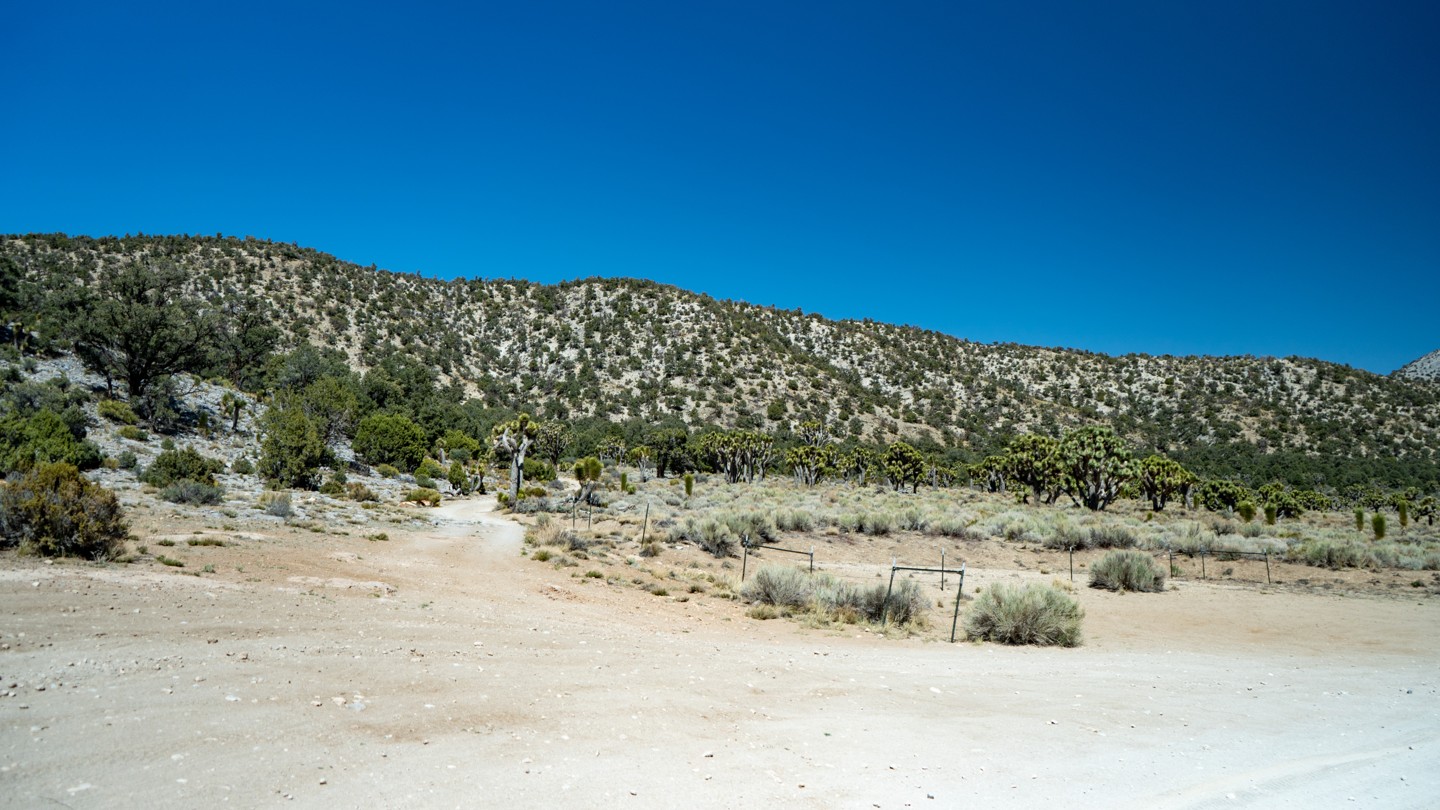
(791, 590)
(1042, 615)
(1127, 570)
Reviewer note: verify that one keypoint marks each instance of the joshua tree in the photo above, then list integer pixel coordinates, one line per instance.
(587, 475)
(809, 462)
(1095, 464)
(1162, 479)
(903, 465)
(514, 439)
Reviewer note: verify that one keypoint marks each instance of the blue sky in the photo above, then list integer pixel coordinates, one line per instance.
(1184, 178)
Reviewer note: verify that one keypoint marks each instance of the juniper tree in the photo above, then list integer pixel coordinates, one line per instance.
(136, 325)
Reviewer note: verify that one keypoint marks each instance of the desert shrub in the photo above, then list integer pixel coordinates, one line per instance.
(357, 491)
(1067, 536)
(44, 437)
(134, 434)
(1015, 526)
(1377, 523)
(1330, 554)
(424, 482)
(54, 511)
(1359, 520)
(779, 586)
(127, 460)
(117, 411)
(538, 471)
(1127, 570)
(332, 488)
(459, 481)
(912, 520)
(1037, 614)
(242, 466)
(756, 526)
(390, 439)
(689, 484)
(960, 526)
(430, 468)
(192, 492)
(1271, 512)
(710, 534)
(423, 495)
(906, 605)
(877, 523)
(276, 504)
(1112, 536)
(182, 465)
(502, 498)
(794, 520)
(386, 470)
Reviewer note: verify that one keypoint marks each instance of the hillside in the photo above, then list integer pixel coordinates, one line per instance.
(1424, 368)
(625, 349)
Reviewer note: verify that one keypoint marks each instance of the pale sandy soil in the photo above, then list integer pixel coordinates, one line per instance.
(443, 669)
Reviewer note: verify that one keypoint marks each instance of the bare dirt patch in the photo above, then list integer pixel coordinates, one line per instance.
(439, 667)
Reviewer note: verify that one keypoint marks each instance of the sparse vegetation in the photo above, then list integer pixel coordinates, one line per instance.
(53, 511)
(1127, 570)
(1043, 615)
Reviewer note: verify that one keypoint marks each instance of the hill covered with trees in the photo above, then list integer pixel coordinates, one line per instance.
(622, 358)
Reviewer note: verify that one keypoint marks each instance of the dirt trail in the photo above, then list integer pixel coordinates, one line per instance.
(442, 669)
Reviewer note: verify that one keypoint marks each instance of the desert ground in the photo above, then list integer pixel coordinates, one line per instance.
(441, 667)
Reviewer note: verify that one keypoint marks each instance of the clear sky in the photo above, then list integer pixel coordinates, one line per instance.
(1213, 177)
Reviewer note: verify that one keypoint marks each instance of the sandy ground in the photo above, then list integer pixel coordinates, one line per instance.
(443, 669)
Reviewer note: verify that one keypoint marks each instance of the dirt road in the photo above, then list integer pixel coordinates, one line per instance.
(443, 669)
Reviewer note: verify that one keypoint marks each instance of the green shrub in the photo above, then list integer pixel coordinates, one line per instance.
(134, 434)
(457, 478)
(390, 439)
(1271, 511)
(430, 468)
(192, 492)
(44, 438)
(424, 482)
(538, 471)
(1037, 614)
(1246, 511)
(54, 511)
(1377, 523)
(423, 495)
(386, 470)
(1127, 570)
(1402, 508)
(179, 465)
(1359, 520)
(292, 450)
(333, 488)
(689, 484)
(117, 411)
(127, 461)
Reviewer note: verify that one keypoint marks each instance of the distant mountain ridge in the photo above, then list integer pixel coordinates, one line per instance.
(1422, 368)
(626, 349)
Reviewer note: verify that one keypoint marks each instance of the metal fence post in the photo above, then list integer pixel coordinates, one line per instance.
(1072, 563)
(1267, 567)
(646, 524)
(812, 559)
(744, 556)
(885, 608)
